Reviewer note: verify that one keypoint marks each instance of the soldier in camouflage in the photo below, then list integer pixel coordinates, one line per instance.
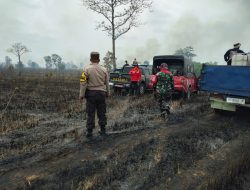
(164, 88)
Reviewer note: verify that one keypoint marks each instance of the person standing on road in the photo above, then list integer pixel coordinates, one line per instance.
(125, 65)
(135, 62)
(229, 54)
(164, 88)
(94, 86)
(135, 78)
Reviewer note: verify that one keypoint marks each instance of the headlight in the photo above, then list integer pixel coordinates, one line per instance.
(111, 84)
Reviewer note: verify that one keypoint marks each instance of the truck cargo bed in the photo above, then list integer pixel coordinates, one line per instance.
(230, 80)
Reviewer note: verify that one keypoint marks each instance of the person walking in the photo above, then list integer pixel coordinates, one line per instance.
(229, 54)
(164, 88)
(135, 78)
(94, 86)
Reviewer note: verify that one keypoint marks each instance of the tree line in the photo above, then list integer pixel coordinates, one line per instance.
(18, 49)
(56, 61)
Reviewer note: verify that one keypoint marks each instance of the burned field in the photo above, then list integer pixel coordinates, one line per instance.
(43, 146)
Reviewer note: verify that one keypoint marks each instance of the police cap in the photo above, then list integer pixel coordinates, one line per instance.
(94, 56)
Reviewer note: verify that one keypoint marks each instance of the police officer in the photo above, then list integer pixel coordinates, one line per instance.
(229, 54)
(94, 86)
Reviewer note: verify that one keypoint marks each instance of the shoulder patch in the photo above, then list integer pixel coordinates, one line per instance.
(83, 78)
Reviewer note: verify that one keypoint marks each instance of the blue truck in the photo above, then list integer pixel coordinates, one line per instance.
(228, 86)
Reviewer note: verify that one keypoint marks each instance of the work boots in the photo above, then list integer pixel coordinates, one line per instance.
(102, 132)
(89, 133)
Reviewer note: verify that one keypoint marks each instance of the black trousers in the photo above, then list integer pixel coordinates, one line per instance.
(96, 101)
(134, 88)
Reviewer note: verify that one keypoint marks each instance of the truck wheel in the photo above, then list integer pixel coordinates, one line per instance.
(142, 89)
(117, 91)
(225, 113)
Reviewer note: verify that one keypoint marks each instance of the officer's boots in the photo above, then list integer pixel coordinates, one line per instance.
(89, 133)
(103, 131)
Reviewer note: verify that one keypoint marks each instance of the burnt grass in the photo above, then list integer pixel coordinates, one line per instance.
(42, 135)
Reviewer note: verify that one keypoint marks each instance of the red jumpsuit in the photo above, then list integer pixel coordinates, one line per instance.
(135, 78)
(135, 74)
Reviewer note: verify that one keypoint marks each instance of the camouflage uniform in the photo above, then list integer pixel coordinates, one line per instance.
(164, 89)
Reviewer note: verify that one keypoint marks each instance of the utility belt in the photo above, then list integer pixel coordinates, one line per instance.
(90, 93)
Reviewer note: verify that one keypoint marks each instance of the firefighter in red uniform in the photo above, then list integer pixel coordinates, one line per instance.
(135, 78)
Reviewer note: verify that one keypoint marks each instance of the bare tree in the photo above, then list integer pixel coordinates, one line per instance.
(119, 16)
(56, 60)
(18, 50)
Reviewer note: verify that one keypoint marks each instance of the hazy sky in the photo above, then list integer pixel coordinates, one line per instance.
(65, 27)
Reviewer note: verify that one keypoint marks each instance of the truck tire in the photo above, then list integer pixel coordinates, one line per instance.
(142, 89)
(224, 113)
(117, 91)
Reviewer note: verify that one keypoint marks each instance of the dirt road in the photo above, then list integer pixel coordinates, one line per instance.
(42, 143)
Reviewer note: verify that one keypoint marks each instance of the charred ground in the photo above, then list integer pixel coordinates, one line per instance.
(42, 143)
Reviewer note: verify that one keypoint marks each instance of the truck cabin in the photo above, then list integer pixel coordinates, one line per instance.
(177, 64)
(144, 68)
(117, 70)
(124, 72)
(126, 69)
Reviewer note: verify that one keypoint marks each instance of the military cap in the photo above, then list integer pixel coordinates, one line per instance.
(164, 65)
